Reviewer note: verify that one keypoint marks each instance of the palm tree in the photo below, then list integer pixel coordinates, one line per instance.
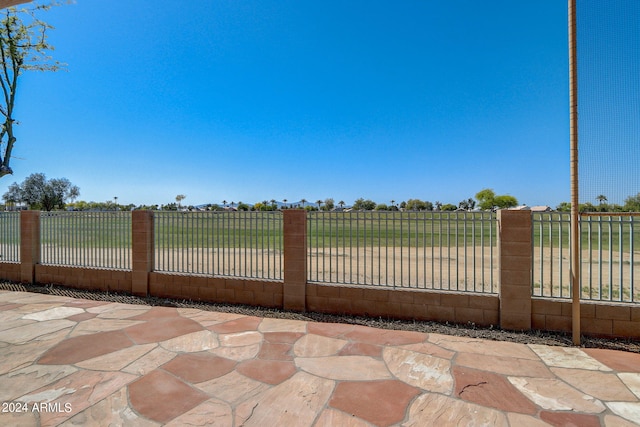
(224, 203)
(303, 202)
(319, 202)
(285, 203)
(341, 203)
(180, 198)
(601, 198)
(471, 203)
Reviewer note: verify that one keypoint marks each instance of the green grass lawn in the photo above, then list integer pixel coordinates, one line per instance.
(602, 231)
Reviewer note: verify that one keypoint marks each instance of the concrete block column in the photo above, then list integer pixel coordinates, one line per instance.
(295, 259)
(29, 245)
(515, 263)
(143, 251)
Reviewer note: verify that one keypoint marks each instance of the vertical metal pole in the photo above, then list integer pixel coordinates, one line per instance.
(573, 117)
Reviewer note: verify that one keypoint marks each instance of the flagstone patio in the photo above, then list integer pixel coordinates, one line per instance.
(68, 362)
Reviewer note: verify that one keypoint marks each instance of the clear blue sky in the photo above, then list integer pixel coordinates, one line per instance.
(260, 100)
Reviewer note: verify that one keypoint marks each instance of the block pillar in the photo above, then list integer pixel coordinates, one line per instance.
(29, 245)
(143, 251)
(295, 259)
(515, 263)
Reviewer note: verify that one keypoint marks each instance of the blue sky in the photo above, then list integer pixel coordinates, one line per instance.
(260, 100)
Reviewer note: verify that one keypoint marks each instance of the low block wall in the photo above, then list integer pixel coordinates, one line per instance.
(84, 278)
(10, 271)
(260, 293)
(409, 304)
(596, 318)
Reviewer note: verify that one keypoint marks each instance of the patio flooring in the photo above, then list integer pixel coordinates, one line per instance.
(68, 362)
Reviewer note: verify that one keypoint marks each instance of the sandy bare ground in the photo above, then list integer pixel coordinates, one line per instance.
(472, 269)
(604, 275)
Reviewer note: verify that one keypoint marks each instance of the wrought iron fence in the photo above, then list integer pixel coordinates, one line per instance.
(239, 244)
(610, 256)
(431, 250)
(551, 254)
(86, 239)
(10, 236)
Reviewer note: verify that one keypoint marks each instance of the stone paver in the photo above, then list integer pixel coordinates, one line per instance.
(77, 362)
(491, 390)
(420, 370)
(382, 403)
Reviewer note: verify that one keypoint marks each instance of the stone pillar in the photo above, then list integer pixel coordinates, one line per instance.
(295, 259)
(29, 245)
(143, 251)
(515, 262)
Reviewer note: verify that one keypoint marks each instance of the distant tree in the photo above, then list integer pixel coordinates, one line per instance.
(285, 203)
(601, 198)
(179, 199)
(505, 201)
(632, 203)
(364, 205)
(416, 205)
(329, 204)
(341, 203)
(13, 195)
(39, 193)
(428, 205)
(471, 203)
(319, 203)
(147, 208)
(403, 205)
(224, 203)
(382, 207)
(438, 205)
(564, 207)
(448, 207)
(488, 200)
(243, 206)
(303, 201)
(23, 47)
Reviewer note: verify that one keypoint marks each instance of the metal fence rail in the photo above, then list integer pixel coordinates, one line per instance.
(551, 254)
(239, 244)
(610, 256)
(86, 239)
(10, 236)
(430, 250)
